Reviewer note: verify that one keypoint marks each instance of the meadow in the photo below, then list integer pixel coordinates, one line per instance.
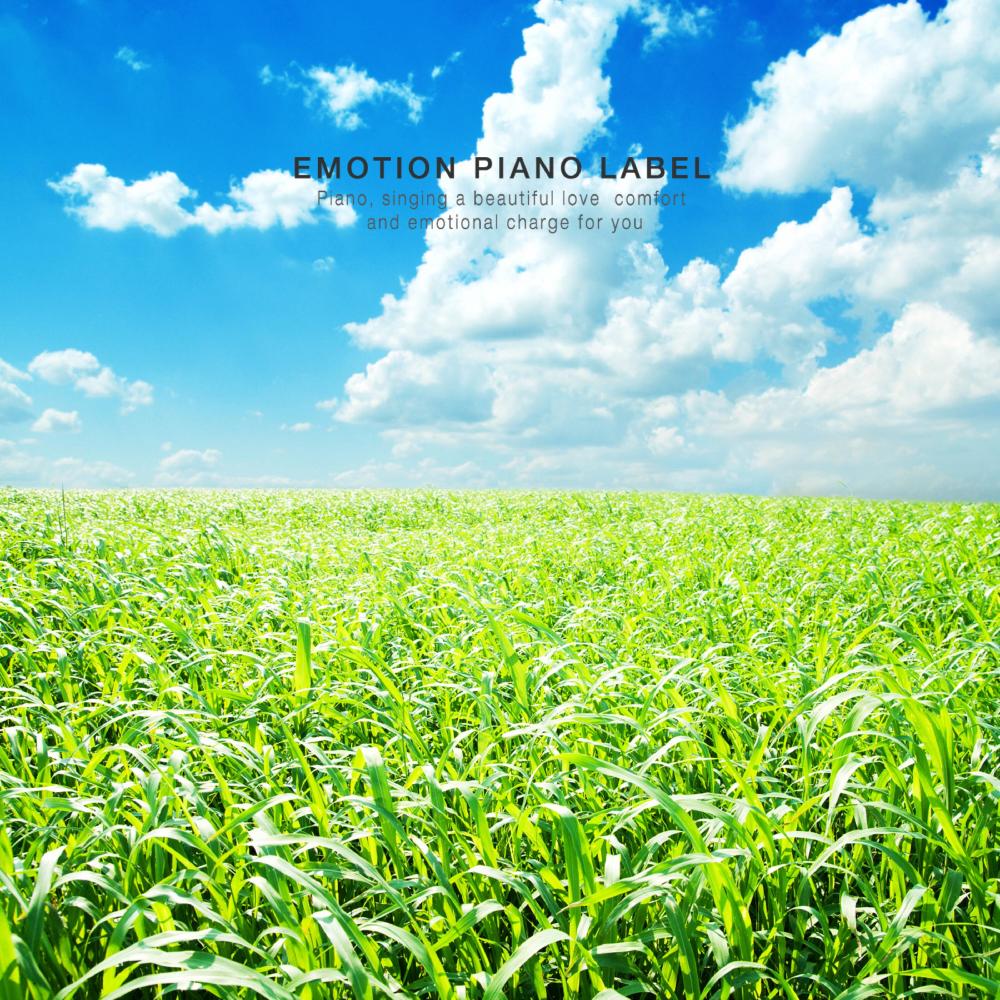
(482, 745)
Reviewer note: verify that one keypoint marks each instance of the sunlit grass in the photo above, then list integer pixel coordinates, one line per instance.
(497, 745)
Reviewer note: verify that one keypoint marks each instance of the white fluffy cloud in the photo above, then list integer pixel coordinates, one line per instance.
(261, 200)
(61, 367)
(565, 360)
(57, 421)
(916, 414)
(896, 98)
(89, 376)
(930, 362)
(341, 91)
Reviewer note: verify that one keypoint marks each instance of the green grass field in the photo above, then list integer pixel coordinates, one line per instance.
(484, 745)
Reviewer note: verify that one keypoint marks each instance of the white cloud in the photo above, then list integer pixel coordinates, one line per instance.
(61, 367)
(11, 374)
(89, 376)
(101, 201)
(896, 98)
(269, 198)
(512, 331)
(78, 473)
(664, 440)
(298, 428)
(442, 67)
(21, 467)
(323, 265)
(131, 59)
(562, 360)
(261, 200)
(188, 467)
(191, 467)
(916, 414)
(426, 472)
(930, 361)
(18, 467)
(57, 420)
(667, 20)
(15, 403)
(341, 91)
(190, 458)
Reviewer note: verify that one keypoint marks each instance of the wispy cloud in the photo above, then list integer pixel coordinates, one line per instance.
(442, 67)
(670, 20)
(340, 92)
(131, 58)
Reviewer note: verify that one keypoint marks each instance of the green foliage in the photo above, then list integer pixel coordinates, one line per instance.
(484, 745)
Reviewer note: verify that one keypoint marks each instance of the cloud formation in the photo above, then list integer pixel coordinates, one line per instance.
(262, 200)
(52, 421)
(563, 360)
(340, 92)
(897, 99)
(15, 403)
(131, 58)
(443, 67)
(667, 20)
(85, 373)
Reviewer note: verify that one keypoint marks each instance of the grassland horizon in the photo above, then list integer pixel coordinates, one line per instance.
(484, 744)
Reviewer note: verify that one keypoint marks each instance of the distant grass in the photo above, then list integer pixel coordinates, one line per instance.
(497, 745)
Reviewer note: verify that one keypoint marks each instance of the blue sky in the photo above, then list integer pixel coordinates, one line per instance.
(695, 382)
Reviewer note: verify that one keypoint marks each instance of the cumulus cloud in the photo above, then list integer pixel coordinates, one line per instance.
(89, 376)
(61, 367)
(897, 97)
(341, 91)
(562, 360)
(515, 330)
(261, 200)
(918, 413)
(57, 420)
(929, 362)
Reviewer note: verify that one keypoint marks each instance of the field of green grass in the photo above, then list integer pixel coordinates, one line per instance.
(485, 745)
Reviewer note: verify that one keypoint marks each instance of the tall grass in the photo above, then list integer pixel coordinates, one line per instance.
(490, 745)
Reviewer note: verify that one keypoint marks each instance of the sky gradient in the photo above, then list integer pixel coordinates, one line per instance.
(822, 317)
